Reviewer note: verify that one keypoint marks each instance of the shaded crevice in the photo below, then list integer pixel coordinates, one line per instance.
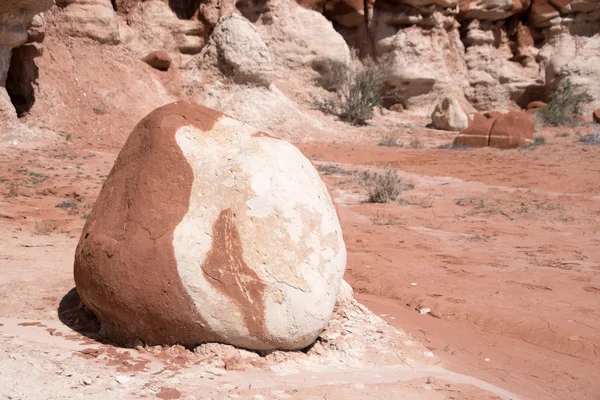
(185, 9)
(21, 78)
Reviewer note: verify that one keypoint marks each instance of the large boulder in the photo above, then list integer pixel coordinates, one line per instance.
(238, 50)
(209, 230)
(449, 116)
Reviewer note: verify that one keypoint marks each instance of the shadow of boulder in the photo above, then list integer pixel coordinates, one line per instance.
(74, 314)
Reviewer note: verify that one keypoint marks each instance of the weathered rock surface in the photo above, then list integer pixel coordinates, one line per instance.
(93, 19)
(227, 235)
(15, 19)
(575, 57)
(425, 64)
(512, 130)
(237, 48)
(152, 24)
(477, 134)
(449, 116)
(492, 9)
(298, 37)
(503, 131)
(158, 59)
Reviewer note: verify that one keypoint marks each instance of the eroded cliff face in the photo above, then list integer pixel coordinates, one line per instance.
(487, 54)
(491, 54)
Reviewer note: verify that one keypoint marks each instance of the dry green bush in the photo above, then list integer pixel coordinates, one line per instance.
(382, 188)
(567, 103)
(356, 98)
(390, 141)
(592, 138)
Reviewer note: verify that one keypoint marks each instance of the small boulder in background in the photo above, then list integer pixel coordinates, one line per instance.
(477, 134)
(158, 59)
(512, 130)
(449, 116)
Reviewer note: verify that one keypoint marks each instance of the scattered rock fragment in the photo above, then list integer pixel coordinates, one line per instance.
(158, 59)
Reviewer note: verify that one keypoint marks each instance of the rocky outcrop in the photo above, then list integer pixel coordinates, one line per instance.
(238, 50)
(449, 116)
(152, 24)
(93, 19)
(300, 38)
(229, 235)
(425, 64)
(15, 19)
(495, 79)
(502, 131)
(596, 116)
(492, 10)
(573, 52)
(484, 51)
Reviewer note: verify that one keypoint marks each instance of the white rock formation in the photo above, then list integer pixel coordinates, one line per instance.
(448, 115)
(236, 47)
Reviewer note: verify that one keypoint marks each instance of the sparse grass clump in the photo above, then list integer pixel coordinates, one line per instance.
(415, 143)
(567, 103)
(331, 169)
(385, 218)
(592, 138)
(452, 146)
(356, 98)
(390, 141)
(384, 187)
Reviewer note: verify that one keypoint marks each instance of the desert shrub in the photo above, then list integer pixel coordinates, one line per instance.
(331, 169)
(67, 204)
(566, 104)
(592, 138)
(384, 187)
(356, 99)
(333, 76)
(415, 143)
(390, 141)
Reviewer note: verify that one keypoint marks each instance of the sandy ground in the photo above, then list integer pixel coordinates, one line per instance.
(501, 246)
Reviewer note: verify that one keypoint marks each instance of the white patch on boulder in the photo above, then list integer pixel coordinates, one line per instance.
(289, 230)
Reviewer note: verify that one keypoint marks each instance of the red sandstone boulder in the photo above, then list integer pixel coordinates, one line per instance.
(477, 134)
(534, 105)
(512, 130)
(596, 116)
(207, 230)
(158, 59)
